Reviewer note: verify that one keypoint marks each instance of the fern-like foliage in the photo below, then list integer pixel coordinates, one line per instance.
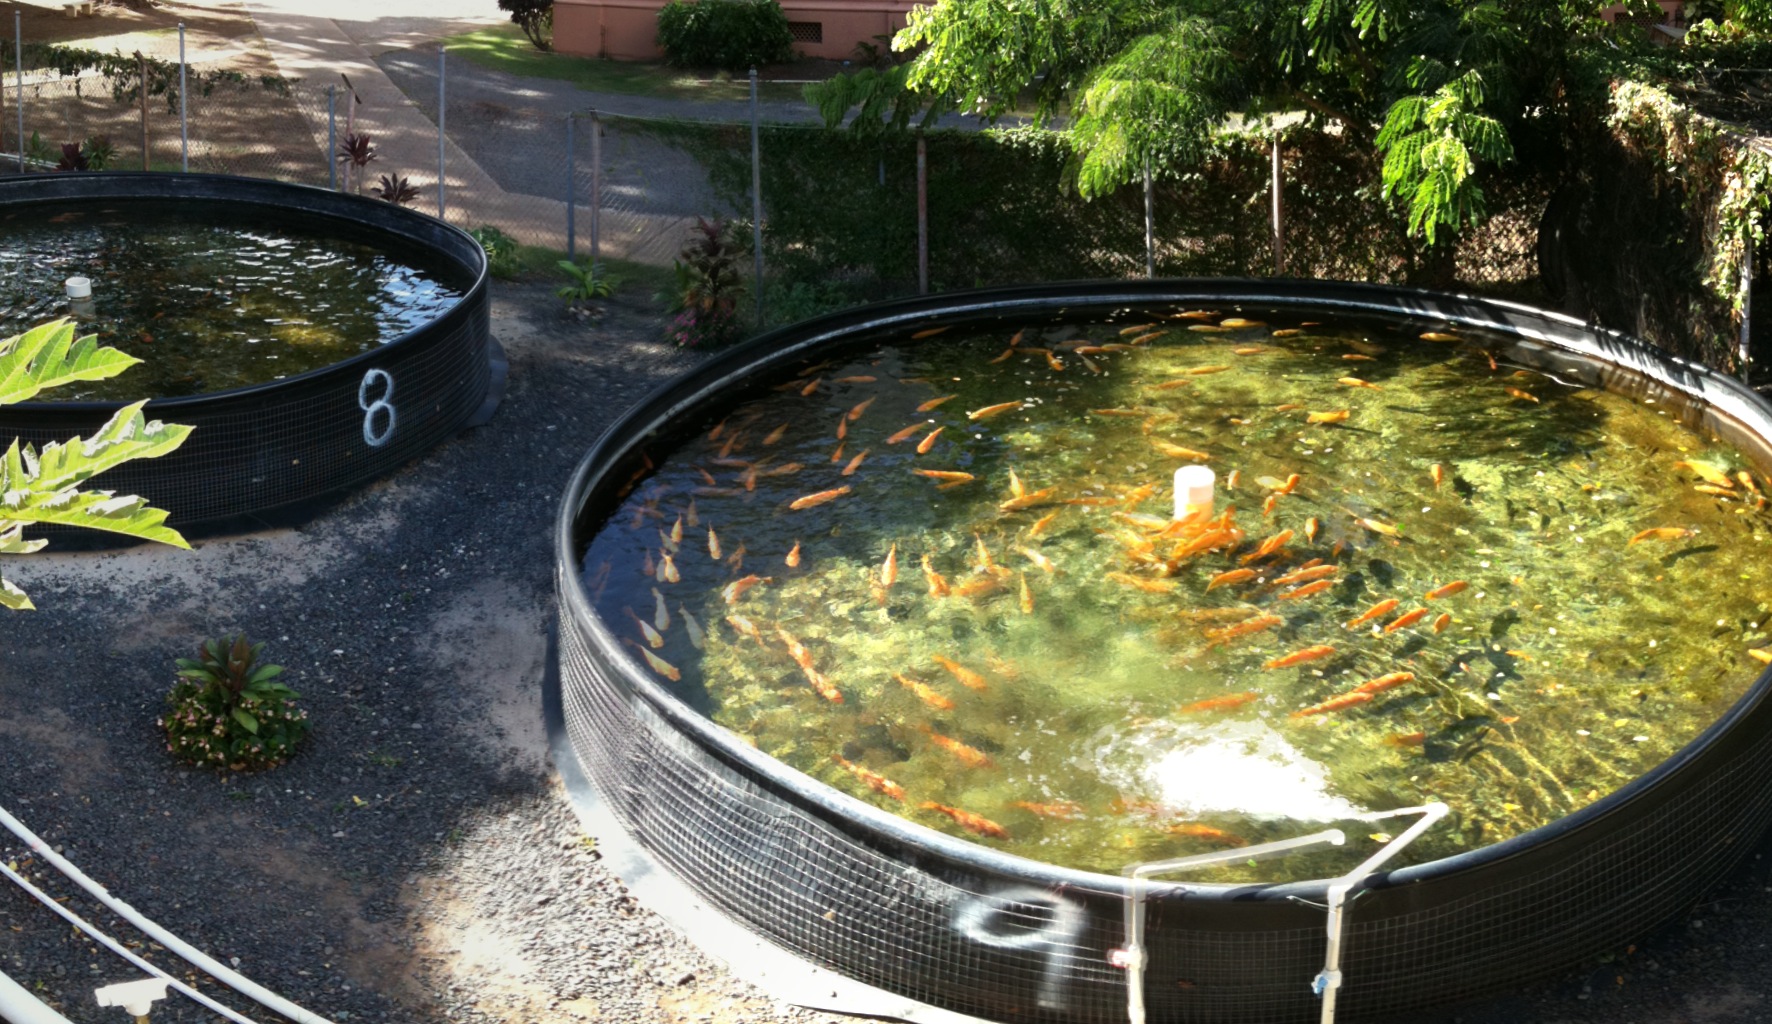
(43, 487)
(1431, 147)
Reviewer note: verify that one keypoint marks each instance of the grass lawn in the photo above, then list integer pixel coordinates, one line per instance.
(505, 48)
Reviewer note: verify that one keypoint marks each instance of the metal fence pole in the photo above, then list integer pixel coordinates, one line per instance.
(922, 216)
(1747, 304)
(756, 199)
(141, 68)
(442, 209)
(332, 137)
(184, 124)
(1279, 221)
(18, 36)
(1150, 227)
(571, 196)
(596, 184)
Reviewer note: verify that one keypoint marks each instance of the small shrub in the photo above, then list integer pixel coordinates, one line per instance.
(98, 152)
(230, 712)
(708, 286)
(72, 158)
(732, 35)
(535, 18)
(803, 300)
(586, 282)
(503, 258)
(396, 189)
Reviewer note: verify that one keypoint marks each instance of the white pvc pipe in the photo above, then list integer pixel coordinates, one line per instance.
(196, 957)
(1328, 983)
(21, 1007)
(1137, 891)
(118, 948)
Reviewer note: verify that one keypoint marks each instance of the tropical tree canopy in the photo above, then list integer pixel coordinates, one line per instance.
(1440, 88)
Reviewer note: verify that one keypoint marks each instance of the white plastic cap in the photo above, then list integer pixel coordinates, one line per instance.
(1194, 489)
(79, 287)
(136, 997)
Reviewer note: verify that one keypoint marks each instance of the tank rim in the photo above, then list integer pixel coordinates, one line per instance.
(233, 190)
(774, 348)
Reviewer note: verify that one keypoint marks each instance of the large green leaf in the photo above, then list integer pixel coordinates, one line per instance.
(49, 355)
(128, 435)
(13, 598)
(93, 510)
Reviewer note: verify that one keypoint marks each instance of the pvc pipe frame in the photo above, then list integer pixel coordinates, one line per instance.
(1328, 982)
(19, 1006)
(192, 955)
(118, 948)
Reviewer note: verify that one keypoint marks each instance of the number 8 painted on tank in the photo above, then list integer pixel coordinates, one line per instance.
(371, 436)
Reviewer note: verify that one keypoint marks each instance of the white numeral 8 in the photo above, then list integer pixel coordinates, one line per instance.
(385, 404)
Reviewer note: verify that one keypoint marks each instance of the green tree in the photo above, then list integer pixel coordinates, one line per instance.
(43, 487)
(1439, 89)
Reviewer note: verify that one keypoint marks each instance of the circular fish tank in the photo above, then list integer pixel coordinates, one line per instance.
(904, 636)
(314, 340)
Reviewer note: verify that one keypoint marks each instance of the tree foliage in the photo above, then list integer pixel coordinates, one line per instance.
(535, 18)
(43, 486)
(1440, 89)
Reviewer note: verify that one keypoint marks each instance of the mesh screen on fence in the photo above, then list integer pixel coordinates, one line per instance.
(840, 210)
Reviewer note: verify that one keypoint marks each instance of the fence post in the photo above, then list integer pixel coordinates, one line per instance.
(596, 183)
(184, 124)
(756, 199)
(922, 216)
(1747, 304)
(571, 196)
(442, 209)
(141, 68)
(18, 37)
(1279, 222)
(1150, 226)
(332, 137)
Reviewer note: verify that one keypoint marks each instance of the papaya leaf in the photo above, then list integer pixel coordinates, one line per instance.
(49, 355)
(94, 510)
(128, 435)
(13, 598)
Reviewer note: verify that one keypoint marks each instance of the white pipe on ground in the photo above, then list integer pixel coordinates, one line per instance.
(18, 1006)
(118, 948)
(196, 957)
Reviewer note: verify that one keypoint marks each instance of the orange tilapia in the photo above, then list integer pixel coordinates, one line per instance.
(970, 756)
(927, 443)
(735, 590)
(1406, 619)
(1338, 416)
(1233, 576)
(1346, 700)
(1307, 574)
(1455, 587)
(967, 820)
(1244, 628)
(992, 410)
(873, 780)
(820, 498)
(1225, 703)
(1385, 682)
(925, 693)
(1663, 533)
(968, 678)
(905, 434)
(1381, 608)
(1063, 810)
(933, 402)
(1305, 591)
(1313, 653)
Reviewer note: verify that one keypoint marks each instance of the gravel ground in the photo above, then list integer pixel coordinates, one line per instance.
(418, 861)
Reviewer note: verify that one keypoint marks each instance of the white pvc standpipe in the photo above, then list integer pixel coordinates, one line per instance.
(196, 957)
(1137, 892)
(118, 948)
(21, 1007)
(1328, 983)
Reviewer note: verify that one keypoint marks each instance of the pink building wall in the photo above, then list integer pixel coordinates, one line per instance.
(628, 29)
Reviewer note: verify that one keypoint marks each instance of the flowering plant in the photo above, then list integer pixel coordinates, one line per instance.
(696, 327)
(230, 712)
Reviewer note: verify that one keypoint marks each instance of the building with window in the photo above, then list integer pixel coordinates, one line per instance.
(628, 29)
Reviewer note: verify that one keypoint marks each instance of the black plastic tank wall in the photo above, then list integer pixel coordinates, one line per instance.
(946, 924)
(284, 443)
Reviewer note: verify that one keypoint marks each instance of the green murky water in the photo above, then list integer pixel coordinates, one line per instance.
(1096, 706)
(211, 299)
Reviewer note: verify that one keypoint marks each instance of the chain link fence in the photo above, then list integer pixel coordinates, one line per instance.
(846, 217)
